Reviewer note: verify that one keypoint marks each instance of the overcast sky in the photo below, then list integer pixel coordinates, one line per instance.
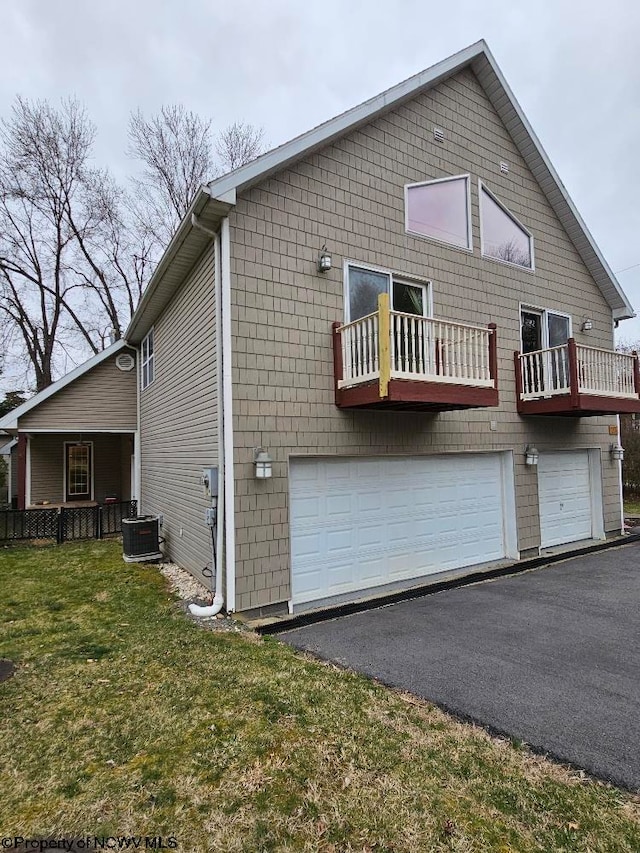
(289, 65)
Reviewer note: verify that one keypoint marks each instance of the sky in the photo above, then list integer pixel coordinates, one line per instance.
(288, 65)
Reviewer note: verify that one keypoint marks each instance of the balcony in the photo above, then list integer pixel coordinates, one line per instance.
(576, 381)
(391, 360)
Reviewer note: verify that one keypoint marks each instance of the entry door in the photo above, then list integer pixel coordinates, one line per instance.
(543, 330)
(78, 477)
(414, 350)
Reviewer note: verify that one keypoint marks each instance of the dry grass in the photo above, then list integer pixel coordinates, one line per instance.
(126, 718)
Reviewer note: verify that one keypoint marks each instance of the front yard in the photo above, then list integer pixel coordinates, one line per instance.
(126, 719)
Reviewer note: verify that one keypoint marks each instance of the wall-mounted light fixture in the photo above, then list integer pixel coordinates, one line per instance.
(617, 452)
(531, 455)
(587, 325)
(262, 461)
(324, 260)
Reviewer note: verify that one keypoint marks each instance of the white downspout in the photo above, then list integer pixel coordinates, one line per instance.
(620, 483)
(227, 416)
(218, 598)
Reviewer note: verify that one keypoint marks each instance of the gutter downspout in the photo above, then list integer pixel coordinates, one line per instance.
(218, 599)
(620, 482)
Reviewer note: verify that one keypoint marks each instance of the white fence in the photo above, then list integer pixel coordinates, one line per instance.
(420, 348)
(546, 373)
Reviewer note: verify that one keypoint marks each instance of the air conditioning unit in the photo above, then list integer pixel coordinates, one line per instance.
(141, 539)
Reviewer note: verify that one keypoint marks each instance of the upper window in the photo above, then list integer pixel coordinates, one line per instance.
(503, 237)
(364, 285)
(440, 209)
(147, 360)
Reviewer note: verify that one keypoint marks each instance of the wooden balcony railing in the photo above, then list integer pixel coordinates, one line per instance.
(387, 346)
(574, 379)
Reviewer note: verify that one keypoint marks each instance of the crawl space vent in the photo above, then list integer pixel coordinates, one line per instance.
(125, 362)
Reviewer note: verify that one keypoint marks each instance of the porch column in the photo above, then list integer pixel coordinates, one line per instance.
(22, 471)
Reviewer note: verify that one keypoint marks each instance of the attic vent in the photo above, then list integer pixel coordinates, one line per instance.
(438, 134)
(504, 167)
(125, 362)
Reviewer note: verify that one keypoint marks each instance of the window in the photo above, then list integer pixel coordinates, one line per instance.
(364, 285)
(147, 360)
(440, 209)
(503, 237)
(78, 479)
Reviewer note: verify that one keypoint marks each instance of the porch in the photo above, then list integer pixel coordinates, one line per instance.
(575, 380)
(393, 360)
(69, 469)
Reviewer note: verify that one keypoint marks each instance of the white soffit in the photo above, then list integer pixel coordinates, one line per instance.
(479, 58)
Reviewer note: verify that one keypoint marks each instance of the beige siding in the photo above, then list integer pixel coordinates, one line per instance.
(47, 465)
(102, 399)
(179, 417)
(350, 195)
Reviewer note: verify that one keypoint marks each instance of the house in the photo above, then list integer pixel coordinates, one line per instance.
(385, 349)
(76, 439)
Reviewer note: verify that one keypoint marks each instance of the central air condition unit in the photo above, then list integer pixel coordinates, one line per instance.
(141, 539)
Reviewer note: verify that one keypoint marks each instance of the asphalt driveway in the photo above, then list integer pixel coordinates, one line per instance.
(550, 657)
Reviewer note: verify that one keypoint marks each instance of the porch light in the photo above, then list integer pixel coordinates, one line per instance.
(617, 452)
(324, 260)
(531, 455)
(587, 325)
(262, 462)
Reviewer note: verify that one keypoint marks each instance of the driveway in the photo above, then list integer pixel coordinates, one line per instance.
(550, 657)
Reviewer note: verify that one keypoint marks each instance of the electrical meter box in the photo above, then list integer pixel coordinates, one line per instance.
(209, 482)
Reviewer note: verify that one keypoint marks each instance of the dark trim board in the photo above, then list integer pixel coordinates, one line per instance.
(586, 405)
(415, 396)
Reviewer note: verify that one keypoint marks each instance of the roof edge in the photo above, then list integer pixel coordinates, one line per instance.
(278, 158)
(10, 420)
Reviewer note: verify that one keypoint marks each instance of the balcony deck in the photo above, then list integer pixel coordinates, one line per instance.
(394, 361)
(573, 380)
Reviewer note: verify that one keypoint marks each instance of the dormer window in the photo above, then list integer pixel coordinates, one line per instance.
(503, 237)
(440, 210)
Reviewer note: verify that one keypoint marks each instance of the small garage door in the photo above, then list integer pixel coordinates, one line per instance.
(359, 523)
(564, 493)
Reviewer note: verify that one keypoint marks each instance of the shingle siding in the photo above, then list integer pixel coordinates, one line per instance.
(103, 398)
(179, 418)
(111, 465)
(351, 197)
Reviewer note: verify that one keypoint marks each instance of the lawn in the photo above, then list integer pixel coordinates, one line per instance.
(125, 718)
(632, 505)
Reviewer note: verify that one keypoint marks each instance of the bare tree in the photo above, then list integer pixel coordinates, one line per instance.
(59, 236)
(176, 152)
(239, 144)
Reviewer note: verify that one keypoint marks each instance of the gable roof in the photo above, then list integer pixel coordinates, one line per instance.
(10, 420)
(214, 200)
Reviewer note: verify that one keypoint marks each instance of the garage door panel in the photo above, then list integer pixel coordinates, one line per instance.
(368, 521)
(564, 491)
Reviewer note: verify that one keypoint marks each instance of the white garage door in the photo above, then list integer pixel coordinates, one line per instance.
(358, 523)
(564, 492)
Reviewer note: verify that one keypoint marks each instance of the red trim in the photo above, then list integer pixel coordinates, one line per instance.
(419, 396)
(493, 355)
(22, 471)
(636, 373)
(574, 382)
(586, 405)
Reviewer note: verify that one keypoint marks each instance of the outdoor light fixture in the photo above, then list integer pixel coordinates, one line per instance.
(617, 452)
(324, 260)
(262, 461)
(531, 455)
(587, 325)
